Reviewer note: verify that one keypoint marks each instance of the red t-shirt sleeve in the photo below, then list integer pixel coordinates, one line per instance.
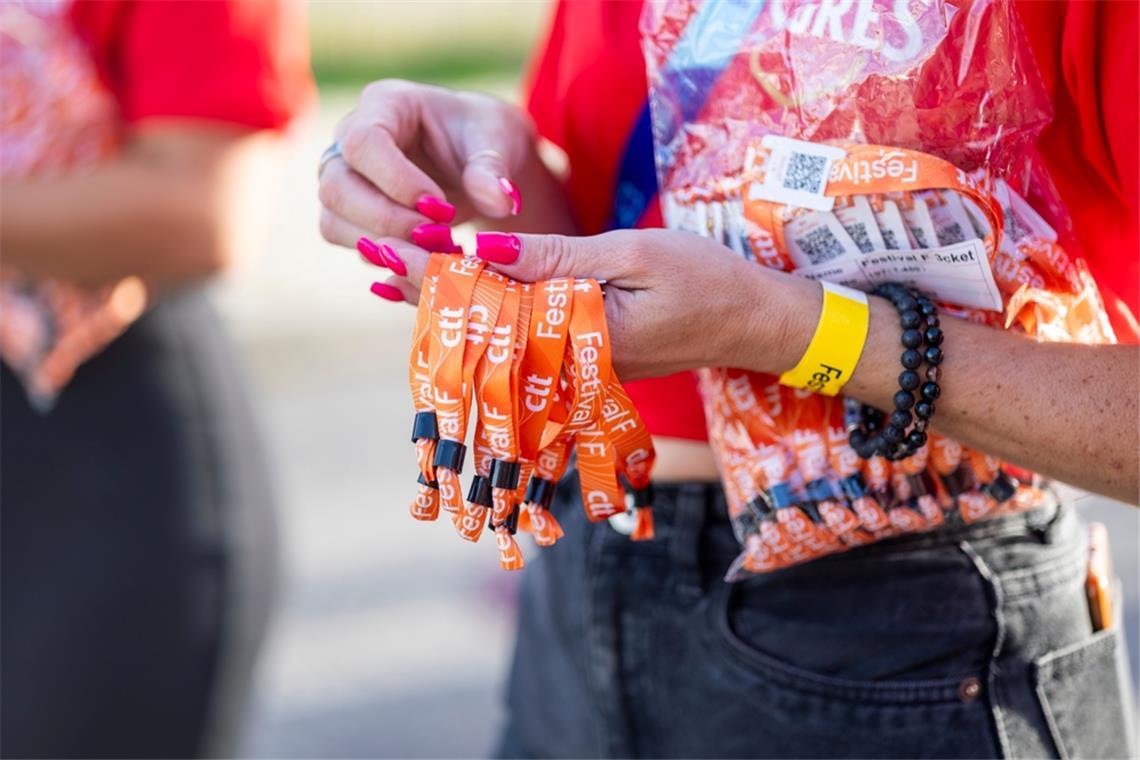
(1088, 55)
(237, 61)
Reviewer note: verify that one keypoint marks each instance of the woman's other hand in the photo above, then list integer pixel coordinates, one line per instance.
(416, 158)
(674, 301)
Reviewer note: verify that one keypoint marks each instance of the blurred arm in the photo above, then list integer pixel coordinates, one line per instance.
(176, 204)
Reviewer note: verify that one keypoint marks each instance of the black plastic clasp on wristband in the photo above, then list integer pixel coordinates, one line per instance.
(760, 506)
(425, 482)
(424, 426)
(744, 524)
(512, 522)
(642, 497)
(1001, 488)
(539, 491)
(953, 483)
(780, 496)
(480, 491)
(810, 509)
(504, 474)
(853, 486)
(820, 490)
(917, 486)
(450, 454)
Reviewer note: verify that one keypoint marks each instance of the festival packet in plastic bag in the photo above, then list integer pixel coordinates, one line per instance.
(862, 143)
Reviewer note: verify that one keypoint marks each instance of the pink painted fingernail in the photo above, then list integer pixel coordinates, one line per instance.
(498, 247)
(371, 252)
(387, 292)
(436, 209)
(393, 260)
(433, 237)
(512, 193)
(455, 249)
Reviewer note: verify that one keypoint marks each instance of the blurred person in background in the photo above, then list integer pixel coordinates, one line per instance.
(135, 509)
(926, 645)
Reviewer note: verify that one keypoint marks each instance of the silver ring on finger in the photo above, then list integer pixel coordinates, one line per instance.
(331, 152)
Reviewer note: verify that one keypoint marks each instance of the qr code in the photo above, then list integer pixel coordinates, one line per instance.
(858, 233)
(1013, 229)
(819, 245)
(890, 240)
(805, 172)
(950, 234)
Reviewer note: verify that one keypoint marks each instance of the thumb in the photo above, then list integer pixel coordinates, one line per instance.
(487, 182)
(530, 258)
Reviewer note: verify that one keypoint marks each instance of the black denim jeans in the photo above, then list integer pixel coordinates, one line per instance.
(137, 551)
(971, 642)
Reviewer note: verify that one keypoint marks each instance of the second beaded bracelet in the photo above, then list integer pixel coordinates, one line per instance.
(871, 432)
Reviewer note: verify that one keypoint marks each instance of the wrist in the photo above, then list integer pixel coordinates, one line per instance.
(782, 314)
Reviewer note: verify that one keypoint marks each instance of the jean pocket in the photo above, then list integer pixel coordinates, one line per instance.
(785, 670)
(1084, 694)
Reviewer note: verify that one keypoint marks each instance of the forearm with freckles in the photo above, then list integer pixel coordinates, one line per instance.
(1064, 410)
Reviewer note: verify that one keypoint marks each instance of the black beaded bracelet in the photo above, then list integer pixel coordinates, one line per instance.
(871, 432)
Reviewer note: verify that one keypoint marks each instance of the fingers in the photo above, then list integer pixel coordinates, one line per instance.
(404, 260)
(352, 198)
(339, 231)
(531, 258)
(397, 290)
(374, 137)
(496, 144)
(486, 180)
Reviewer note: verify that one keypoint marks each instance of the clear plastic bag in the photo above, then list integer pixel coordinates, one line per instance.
(841, 140)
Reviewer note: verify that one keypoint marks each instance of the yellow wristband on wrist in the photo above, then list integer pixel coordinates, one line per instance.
(838, 342)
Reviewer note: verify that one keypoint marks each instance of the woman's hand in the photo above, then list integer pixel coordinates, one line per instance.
(674, 301)
(416, 158)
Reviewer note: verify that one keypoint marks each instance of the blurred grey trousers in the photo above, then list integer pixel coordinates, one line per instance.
(971, 642)
(138, 559)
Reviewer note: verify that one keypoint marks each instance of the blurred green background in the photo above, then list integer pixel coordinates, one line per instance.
(438, 41)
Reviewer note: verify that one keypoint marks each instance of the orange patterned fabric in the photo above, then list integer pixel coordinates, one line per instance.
(56, 118)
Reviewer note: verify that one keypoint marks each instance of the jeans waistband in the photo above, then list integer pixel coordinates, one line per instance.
(692, 524)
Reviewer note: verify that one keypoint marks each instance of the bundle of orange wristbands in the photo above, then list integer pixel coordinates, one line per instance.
(528, 367)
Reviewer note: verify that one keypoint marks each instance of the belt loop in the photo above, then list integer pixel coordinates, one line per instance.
(685, 538)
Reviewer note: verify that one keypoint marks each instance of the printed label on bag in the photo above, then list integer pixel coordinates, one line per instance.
(957, 274)
(796, 173)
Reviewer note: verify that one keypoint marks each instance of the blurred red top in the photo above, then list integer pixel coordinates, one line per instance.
(588, 88)
(241, 62)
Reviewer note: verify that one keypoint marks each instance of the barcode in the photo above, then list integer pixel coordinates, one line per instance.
(805, 172)
(919, 237)
(858, 233)
(819, 245)
(951, 234)
(889, 239)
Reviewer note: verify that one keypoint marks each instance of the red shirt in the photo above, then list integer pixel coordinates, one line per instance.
(588, 89)
(242, 62)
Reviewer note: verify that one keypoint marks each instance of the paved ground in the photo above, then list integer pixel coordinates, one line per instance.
(392, 636)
